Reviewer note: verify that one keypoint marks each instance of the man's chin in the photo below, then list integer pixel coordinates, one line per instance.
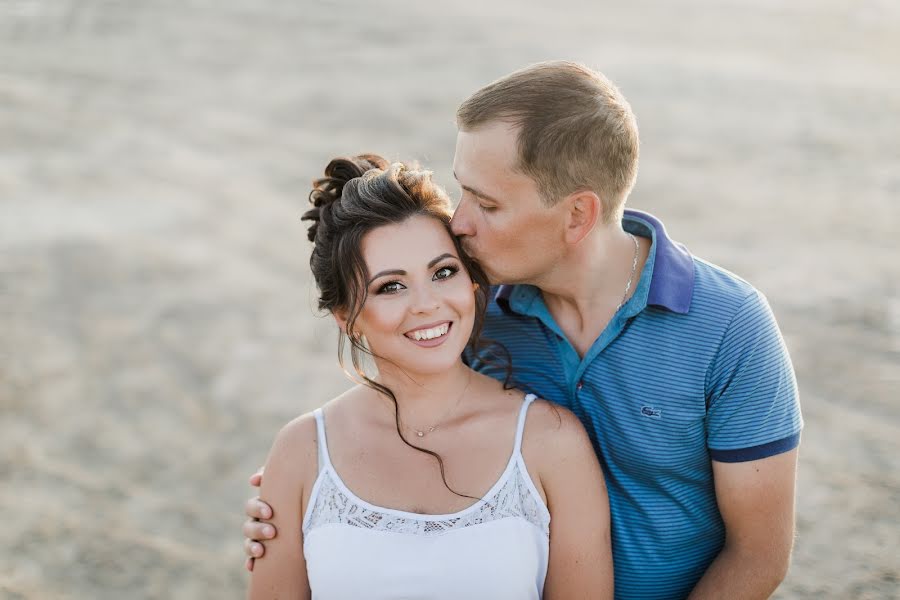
(492, 277)
(474, 258)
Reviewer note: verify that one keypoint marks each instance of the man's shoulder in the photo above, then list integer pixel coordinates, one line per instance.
(712, 278)
(719, 293)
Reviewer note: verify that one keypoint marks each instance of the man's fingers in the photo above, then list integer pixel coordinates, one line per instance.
(256, 531)
(253, 550)
(253, 529)
(257, 509)
(256, 478)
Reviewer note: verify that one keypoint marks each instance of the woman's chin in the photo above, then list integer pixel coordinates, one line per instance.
(421, 363)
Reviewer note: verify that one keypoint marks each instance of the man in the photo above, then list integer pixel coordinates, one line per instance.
(675, 366)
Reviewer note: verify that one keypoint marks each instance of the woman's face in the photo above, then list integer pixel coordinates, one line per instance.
(420, 307)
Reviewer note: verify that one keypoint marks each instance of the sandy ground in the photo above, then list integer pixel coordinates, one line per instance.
(156, 322)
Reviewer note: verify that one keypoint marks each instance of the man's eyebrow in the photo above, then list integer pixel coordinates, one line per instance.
(473, 191)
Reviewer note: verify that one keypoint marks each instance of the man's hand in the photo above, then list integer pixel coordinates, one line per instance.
(254, 529)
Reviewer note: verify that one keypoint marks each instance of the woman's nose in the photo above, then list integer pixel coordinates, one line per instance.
(425, 300)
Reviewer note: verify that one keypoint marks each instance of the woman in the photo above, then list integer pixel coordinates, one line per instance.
(428, 480)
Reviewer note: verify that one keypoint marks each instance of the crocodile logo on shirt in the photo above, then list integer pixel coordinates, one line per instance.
(649, 411)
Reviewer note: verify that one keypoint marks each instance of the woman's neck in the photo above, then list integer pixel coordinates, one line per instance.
(421, 398)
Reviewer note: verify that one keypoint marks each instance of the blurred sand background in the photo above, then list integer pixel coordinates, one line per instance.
(156, 313)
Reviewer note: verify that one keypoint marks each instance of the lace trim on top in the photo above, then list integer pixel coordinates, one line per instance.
(513, 495)
(334, 503)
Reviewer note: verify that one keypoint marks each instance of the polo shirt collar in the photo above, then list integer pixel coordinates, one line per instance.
(672, 282)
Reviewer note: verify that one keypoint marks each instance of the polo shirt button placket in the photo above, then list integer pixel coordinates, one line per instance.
(579, 385)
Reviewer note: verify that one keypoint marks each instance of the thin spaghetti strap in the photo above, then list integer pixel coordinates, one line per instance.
(520, 427)
(324, 458)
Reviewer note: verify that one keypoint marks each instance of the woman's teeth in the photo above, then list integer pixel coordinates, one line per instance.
(430, 334)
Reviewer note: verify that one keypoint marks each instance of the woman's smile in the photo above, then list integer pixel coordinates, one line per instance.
(430, 335)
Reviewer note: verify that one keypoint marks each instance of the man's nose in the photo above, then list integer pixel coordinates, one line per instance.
(461, 224)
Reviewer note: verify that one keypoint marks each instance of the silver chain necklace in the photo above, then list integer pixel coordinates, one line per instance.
(424, 432)
(633, 270)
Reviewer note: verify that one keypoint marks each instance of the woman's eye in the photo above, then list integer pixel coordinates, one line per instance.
(445, 272)
(390, 287)
(487, 208)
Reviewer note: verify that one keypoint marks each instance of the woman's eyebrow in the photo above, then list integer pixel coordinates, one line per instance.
(438, 259)
(431, 263)
(383, 273)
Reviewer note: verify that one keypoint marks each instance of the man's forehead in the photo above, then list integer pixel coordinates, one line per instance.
(480, 155)
(498, 139)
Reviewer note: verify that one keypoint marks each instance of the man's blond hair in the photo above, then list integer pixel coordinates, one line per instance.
(576, 130)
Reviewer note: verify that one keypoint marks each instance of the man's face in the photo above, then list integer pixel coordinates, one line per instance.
(501, 219)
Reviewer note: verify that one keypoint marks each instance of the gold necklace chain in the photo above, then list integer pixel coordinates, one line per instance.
(423, 432)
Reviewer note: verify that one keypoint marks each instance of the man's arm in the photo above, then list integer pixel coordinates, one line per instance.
(756, 499)
(753, 430)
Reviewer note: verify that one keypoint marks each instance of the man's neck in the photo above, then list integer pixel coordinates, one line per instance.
(586, 288)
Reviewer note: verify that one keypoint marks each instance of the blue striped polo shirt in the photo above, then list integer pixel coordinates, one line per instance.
(691, 369)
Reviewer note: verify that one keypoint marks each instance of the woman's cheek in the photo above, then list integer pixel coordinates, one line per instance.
(393, 316)
(382, 315)
(464, 298)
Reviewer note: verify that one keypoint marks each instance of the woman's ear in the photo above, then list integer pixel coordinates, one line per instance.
(340, 317)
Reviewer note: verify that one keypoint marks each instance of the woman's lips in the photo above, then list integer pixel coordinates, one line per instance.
(437, 341)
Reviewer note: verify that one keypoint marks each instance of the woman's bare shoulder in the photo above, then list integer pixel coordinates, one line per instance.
(549, 418)
(294, 453)
(552, 432)
(299, 436)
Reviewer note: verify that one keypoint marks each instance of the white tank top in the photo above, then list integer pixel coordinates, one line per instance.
(495, 549)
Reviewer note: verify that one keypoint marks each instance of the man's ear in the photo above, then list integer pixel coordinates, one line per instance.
(583, 210)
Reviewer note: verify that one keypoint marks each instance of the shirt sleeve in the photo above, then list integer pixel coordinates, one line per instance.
(753, 410)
